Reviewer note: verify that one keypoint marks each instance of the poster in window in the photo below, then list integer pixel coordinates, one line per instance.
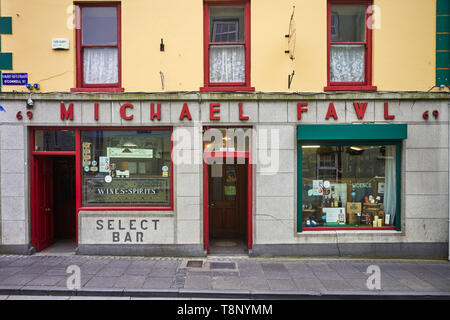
(104, 164)
(317, 187)
(381, 187)
(362, 190)
(230, 182)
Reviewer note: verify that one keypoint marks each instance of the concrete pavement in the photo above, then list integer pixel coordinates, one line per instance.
(223, 277)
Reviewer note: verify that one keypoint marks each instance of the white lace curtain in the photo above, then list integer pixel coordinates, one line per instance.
(101, 66)
(390, 184)
(347, 63)
(227, 64)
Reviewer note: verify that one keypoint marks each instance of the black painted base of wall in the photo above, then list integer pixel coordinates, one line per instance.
(356, 250)
(23, 249)
(157, 250)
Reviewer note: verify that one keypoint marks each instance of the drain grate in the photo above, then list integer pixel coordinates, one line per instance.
(194, 264)
(222, 265)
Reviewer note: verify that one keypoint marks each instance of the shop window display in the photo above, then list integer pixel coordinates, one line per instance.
(126, 168)
(349, 186)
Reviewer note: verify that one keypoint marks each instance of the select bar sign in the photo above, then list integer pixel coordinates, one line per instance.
(14, 79)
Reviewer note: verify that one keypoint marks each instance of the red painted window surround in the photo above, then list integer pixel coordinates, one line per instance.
(78, 156)
(208, 86)
(80, 86)
(351, 86)
(348, 228)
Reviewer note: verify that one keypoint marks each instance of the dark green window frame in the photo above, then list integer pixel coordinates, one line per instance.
(442, 43)
(344, 134)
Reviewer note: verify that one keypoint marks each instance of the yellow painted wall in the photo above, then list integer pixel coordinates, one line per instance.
(404, 47)
(34, 24)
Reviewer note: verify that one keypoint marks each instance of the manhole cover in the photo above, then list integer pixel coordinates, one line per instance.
(194, 264)
(226, 244)
(222, 265)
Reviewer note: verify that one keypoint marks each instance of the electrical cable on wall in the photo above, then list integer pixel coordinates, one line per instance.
(162, 79)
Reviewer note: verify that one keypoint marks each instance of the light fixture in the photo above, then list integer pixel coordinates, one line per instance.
(356, 148)
(310, 147)
(30, 102)
(129, 144)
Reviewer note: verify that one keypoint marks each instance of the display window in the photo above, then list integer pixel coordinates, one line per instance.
(349, 185)
(348, 179)
(126, 168)
(115, 168)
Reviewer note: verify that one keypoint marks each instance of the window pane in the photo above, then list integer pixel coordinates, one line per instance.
(349, 186)
(230, 140)
(54, 140)
(101, 65)
(347, 63)
(348, 23)
(239, 139)
(226, 24)
(126, 168)
(99, 25)
(227, 64)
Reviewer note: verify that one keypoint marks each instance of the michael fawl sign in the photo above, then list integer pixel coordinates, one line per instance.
(133, 192)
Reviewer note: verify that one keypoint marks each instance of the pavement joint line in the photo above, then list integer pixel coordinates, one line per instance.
(232, 257)
(224, 294)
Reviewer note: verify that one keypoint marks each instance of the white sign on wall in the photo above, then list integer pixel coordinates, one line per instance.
(113, 229)
(60, 44)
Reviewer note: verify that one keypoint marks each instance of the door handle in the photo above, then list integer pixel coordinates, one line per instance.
(211, 205)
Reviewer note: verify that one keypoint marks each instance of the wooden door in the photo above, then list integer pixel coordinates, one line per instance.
(227, 214)
(44, 202)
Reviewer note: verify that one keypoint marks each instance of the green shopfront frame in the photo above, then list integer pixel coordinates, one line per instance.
(343, 134)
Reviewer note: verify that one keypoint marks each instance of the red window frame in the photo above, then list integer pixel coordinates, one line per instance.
(226, 86)
(349, 86)
(78, 166)
(80, 85)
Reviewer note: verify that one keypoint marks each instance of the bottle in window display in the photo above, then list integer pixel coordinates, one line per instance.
(341, 217)
(340, 202)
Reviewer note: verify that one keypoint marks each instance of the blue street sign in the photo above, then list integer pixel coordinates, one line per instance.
(14, 79)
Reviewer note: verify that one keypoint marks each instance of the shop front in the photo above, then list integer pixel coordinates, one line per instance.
(183, 175)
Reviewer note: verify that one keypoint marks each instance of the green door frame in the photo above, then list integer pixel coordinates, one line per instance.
(344, 134)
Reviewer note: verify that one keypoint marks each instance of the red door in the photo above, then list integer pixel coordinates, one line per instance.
(44, 213)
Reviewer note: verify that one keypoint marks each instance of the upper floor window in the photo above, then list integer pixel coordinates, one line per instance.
(349, 46)
(99, 47)
(227, 46)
